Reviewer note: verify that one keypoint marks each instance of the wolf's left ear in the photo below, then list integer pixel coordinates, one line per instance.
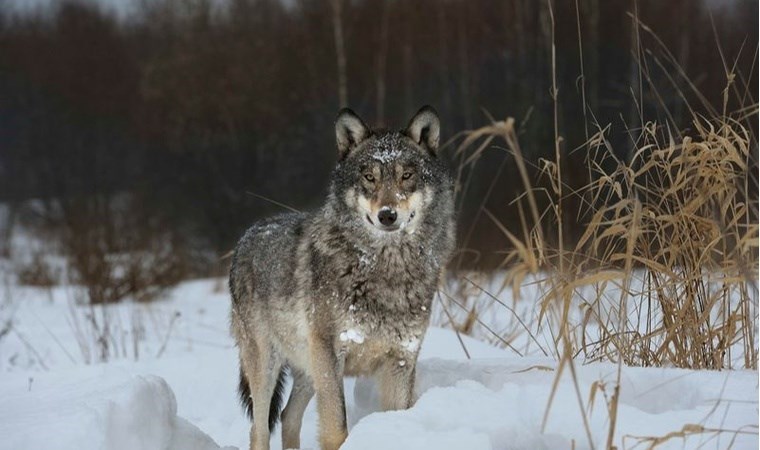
(350, 130)
(425, 128)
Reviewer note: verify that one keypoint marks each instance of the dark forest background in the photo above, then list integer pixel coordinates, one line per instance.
(166, 132)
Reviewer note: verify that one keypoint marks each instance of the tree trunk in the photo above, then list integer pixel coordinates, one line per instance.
(683, 61)
(634, 81)
(407, 62)
(444, 66)
(464, 67)
(382, 57)
(592, 55)
(340, 52)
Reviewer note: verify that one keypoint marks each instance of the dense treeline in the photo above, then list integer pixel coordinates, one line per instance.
(166, 129)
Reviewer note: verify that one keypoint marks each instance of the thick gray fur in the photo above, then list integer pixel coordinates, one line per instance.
(333, 292)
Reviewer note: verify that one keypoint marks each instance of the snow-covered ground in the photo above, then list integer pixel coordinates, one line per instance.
(164, 376)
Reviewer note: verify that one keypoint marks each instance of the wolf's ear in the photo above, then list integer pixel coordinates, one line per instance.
(349, 131)
(425, 128)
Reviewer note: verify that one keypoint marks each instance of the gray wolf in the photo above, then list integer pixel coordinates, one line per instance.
(346, 289)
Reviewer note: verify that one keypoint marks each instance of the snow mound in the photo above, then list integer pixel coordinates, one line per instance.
(121, 413)
(500, 404)
(469, 395)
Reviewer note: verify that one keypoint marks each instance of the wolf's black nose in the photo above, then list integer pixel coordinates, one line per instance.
(387, 216)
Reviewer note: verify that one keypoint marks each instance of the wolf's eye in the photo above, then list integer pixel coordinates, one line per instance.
(406, 175)
(369, 177)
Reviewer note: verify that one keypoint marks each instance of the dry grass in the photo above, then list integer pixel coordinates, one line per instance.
(664, 266)
(670, 232)
(664, 269)
(107, 332)
(37, 272)
(664, 272)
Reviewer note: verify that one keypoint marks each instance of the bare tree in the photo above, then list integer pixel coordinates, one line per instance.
(340, 52)
(635, 67)
(592, 55)
(464, 66)
(444, 64)
(683, 54)
(382, 57)
(407, 60)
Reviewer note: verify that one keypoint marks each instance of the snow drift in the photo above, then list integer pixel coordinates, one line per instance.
(179, 390)
(119, 413)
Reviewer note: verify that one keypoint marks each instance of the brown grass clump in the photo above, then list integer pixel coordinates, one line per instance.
(678, 215)
(664, 271)
(651, 260)
(37, 272)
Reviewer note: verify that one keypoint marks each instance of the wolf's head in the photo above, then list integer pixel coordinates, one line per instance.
(388, 180)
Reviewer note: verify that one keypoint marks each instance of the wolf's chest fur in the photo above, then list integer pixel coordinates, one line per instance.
(385, 297)
(379, 297)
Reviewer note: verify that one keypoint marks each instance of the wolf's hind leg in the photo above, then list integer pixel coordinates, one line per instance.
(262, 368)
(292, 415)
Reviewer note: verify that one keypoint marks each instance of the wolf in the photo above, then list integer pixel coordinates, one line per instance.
(345, 290)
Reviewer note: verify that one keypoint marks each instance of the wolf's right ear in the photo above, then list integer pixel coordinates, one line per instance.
(350, 130)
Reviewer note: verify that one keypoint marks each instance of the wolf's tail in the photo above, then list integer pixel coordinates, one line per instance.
(275, 405)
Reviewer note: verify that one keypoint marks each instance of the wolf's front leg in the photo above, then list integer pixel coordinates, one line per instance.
(327, 373)
(396, 380)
